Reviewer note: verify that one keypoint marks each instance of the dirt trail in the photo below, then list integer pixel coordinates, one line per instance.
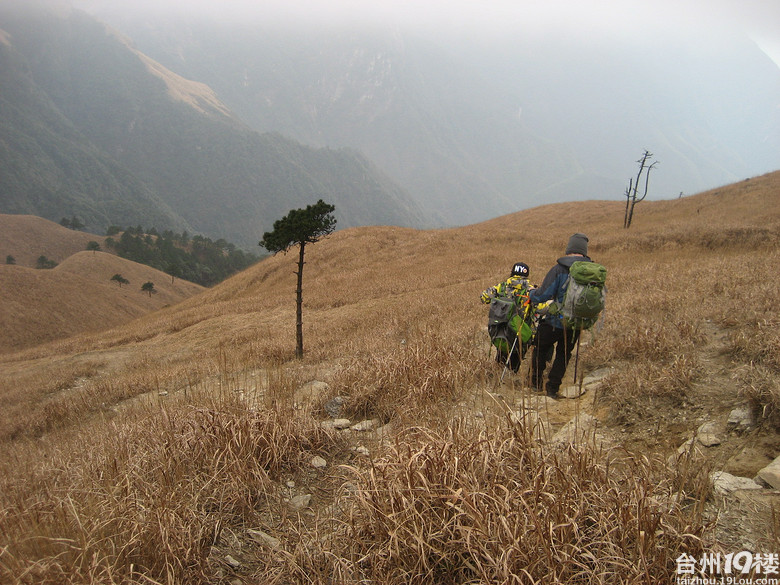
(742, 518)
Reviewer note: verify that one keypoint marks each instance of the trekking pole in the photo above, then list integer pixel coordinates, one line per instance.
(577, 357)
(508, 359)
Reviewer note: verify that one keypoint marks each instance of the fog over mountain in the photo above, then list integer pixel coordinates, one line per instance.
(90, 127)
(479, 110)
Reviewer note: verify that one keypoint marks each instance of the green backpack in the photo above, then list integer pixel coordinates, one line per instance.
(585, 295)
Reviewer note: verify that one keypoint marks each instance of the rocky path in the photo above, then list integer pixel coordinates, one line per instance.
(712, 424)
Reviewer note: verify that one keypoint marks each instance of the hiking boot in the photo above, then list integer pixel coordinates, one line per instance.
(552, 392)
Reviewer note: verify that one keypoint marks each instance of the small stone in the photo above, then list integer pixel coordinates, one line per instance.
(261, 537)
(366, 425)
(361, 450)
(232, 562)
(300, 502)
(342, 423)
(580, 428)
(689, 449)
(708, 439)
(741, 419)
(596, 376)
(315, 387)
(333, 406)
(318, 462)
(707, 436)
(290, 484)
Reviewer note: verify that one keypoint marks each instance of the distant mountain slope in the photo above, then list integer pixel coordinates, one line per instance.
(50, 168)
(96, 129)
(78, 296)
(478, 125)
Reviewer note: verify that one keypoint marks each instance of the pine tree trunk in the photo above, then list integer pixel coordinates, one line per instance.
(299, 306)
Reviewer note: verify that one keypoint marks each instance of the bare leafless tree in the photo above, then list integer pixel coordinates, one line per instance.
(632, 191)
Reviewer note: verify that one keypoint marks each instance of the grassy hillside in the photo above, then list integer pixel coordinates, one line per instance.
(79, 296)
(27, 237)
(179, 447)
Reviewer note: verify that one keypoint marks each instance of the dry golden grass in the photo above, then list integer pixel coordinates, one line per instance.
(198, 95)
(75, 297)
(78, 296)
(150, 452)
(27, 237)
(489, 505)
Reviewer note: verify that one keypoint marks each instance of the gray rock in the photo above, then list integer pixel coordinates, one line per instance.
(741, 419)
(689, 450)
(580, 429)
(708, 439)
(300, 502)
(596, 376)
(342, 423)
(771, 474)
(318, 462)
(333, 406)
(707, 435)
(232, 562)
(725, 483)
(261, 537)
(764, 484)
(366, 425)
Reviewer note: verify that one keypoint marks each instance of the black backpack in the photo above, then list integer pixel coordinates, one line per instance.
(507, 316)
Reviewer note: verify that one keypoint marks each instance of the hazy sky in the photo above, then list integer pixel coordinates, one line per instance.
(759, 19)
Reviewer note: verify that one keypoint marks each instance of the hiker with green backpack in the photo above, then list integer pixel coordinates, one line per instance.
(509, 318)
(576, 286)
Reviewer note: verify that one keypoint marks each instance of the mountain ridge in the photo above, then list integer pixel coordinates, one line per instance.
(108, 143)
(478, 128)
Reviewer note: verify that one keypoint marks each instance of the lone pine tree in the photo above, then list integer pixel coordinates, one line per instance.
(300, 227)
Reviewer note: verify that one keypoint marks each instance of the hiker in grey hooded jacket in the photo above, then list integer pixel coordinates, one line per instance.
(551, 335)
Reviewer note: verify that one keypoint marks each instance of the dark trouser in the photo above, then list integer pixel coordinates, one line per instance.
(547, 339)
